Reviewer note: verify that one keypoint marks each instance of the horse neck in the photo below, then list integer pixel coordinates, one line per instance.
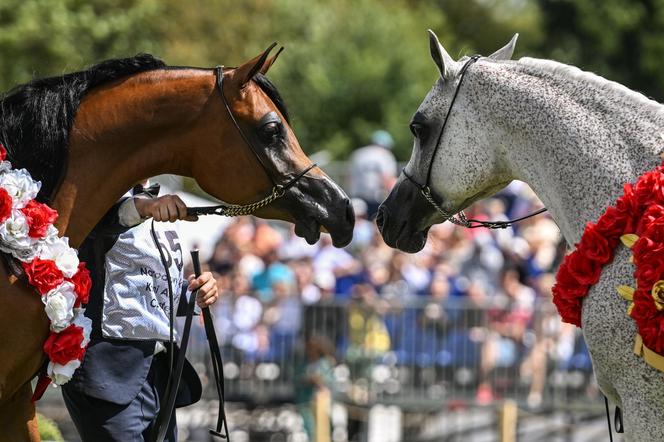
(574, 137)
(125, 132)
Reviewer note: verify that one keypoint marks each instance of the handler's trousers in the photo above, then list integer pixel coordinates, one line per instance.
(100, 421)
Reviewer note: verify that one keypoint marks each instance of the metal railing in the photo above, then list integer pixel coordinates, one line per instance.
(418, 355)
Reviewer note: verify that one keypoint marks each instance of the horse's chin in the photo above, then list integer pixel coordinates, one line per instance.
(309, 229)
(412, 243)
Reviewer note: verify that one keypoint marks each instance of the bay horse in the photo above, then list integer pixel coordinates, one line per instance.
(91, 135)
(575, 138)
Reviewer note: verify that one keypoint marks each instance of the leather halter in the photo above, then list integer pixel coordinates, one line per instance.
(278, 188)
(425, 189)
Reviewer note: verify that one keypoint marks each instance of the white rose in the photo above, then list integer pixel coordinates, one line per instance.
(5, 166)
(59, 306)
(51, 236)
(80, 320)
(58, 250)
(20, 186)
(14, 235)
(67, 262)
(61, 374)
(23, 255)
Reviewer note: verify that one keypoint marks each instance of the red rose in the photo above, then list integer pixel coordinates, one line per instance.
(628, 207)
(594, 246)
(39, 217)
(653, 215)
(647, 249)
(612, 223)
(584, 270)
(43, 274)
(648, 189)
(655, 230)
(6, 204)
(563, 276)
(3, 152)
(649, 321)
(65, 346)
(568, 307)
(648, 273)
(82, 284)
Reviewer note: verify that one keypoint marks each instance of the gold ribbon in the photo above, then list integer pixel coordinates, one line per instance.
(653, 359)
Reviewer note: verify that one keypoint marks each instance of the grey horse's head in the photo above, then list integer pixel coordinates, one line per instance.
(459, 164)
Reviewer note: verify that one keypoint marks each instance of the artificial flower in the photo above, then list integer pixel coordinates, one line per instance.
(43, 274)
(59, 306)
(65, 345)
(39, 217)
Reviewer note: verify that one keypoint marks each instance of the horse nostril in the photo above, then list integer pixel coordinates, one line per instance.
(381, 217)
(350, 213)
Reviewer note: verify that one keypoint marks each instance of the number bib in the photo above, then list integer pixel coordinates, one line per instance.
(136, 288)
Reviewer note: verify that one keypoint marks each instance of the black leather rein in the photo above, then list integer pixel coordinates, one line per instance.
(278, 188)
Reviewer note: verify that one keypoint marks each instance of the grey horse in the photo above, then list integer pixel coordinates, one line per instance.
(575, 138)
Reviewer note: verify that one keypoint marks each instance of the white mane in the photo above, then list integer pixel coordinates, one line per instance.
(610, 88)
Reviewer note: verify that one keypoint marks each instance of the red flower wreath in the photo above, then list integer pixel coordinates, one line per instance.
(638, 218)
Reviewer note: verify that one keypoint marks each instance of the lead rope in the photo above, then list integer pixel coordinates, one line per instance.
(162, 421)
(608, 418)
(170, 305)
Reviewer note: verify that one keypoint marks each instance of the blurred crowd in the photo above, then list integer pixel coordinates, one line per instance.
(474, 298)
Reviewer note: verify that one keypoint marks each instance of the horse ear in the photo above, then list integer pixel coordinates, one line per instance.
(270, 61)
(249, 69)
(505, 53)
(440, 56)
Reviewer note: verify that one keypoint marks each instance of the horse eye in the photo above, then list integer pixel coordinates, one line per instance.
(270, 131)
(416, 129)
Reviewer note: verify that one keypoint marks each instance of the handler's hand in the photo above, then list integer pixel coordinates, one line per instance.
(207, 289)
(164, 208)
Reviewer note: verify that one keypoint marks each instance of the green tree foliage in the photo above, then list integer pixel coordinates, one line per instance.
(46, 37)
(350, 66)
(622, 40)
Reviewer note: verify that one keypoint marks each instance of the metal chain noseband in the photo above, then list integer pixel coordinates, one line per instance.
(278, 190)
(460, 218)
(231, 210)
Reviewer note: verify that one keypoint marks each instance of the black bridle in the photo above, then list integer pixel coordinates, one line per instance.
(279, 188)
(425, 188)
(160, 426)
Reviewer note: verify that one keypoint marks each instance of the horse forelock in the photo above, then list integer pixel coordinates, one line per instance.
(273, 94)
(36, 118)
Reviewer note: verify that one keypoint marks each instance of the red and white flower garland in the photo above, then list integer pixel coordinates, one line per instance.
(51, 266)
(637, 218)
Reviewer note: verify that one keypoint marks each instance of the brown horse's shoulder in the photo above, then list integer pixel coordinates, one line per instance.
(24, 328)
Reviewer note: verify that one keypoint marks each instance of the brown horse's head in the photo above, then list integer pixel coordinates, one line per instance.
(251, 117)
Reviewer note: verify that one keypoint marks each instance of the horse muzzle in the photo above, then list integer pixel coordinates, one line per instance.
(314, 204)
(404, 218)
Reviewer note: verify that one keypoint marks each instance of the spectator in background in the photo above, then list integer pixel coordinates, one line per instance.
(314, 383)
(266, 244)
(507, 326)
(373, 171)
(346, 270)
(364, 229)
(367, 333)
(304, 276)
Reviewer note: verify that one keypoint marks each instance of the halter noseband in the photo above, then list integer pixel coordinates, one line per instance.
(425, 189)
(278, 189)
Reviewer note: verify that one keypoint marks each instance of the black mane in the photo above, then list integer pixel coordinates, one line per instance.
(273, 94)
(35, 118)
